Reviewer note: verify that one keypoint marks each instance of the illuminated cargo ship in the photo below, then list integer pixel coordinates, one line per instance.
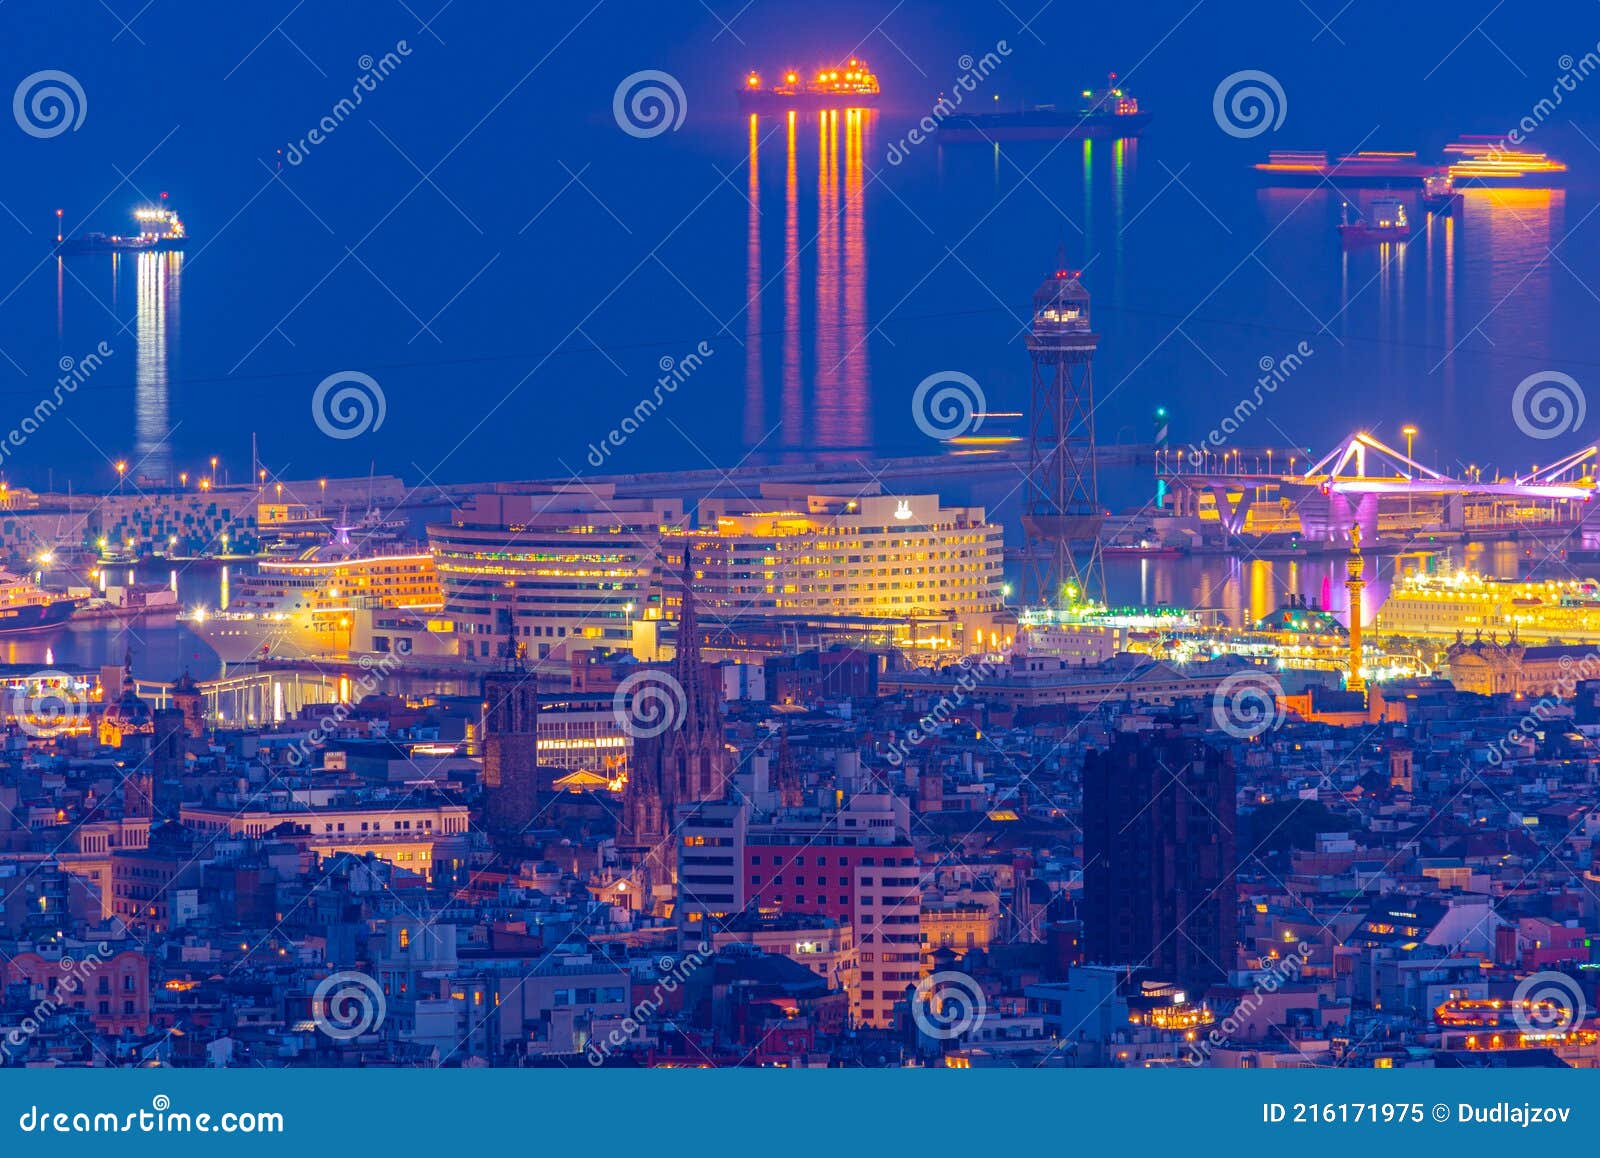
(159, 230)
(1478, 160)
(1106, 112)
(1384, 222)
(852, 86)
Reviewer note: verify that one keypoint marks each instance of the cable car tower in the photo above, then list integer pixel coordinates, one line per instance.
(1062, 508)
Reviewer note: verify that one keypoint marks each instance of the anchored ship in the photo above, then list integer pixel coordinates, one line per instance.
(1386, 221)
(1111, 111)
(25, 607)
(160, 229)
(852, 85)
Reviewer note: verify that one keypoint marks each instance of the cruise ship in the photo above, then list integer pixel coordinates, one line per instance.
(1445, 605)
(337, 599)
(849, 86)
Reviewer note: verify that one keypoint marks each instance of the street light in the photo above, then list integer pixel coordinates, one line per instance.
(1411, 433)
(122, 469)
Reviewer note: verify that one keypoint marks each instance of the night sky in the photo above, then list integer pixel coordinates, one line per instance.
(479, 226)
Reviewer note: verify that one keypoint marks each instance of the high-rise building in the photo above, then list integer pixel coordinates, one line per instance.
(1159, 855)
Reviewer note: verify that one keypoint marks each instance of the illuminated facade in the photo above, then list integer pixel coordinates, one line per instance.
(402, 835)
(905, 556)
(573, 564)
(580, 568)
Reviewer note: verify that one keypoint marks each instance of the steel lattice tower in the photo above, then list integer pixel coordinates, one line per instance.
(1062, 508)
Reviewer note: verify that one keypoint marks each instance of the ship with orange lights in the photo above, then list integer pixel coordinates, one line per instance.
(848, 86)
(1111, 111)
(1469, 161)
(160, 229)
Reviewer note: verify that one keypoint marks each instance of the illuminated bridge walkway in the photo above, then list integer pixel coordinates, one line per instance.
(1363, 481)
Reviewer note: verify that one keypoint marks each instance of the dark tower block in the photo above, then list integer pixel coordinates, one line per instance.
(169, 759)
(1160, 856)
(1062, 508)
(510, 749)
